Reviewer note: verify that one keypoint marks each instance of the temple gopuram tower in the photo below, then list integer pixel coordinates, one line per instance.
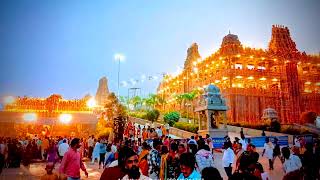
(102, 92)
(252, 79)
(282, 45)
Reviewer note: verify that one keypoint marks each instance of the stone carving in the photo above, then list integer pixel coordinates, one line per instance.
(102, 92)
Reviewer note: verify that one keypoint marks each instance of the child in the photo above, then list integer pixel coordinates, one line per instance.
(50, 175)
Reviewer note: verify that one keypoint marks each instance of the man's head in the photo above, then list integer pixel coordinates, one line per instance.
(64, 141)
(187, 163)
(192, 137)
(75, 143)
(156, 144)
(131, 160)
(181, 148)
(207, 136)
(227, 145)
(239, 145)
(285, 152)
(49, 168)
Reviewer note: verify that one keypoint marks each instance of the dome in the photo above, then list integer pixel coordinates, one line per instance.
(212, 89)
(270, 113)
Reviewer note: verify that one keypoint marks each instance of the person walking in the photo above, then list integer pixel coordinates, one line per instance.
(154, 159)
(96, 152)
(228, 158)
(102, 153)
(72, 163)
(292, 162)
(268, 150)
(204, 157)
(63, 148)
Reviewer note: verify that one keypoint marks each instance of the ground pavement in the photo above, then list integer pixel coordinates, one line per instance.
(36, 170)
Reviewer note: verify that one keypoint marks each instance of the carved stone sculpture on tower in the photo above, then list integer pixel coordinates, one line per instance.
(102, 92)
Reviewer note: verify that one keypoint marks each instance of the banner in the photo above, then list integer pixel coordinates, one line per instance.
(257, 141)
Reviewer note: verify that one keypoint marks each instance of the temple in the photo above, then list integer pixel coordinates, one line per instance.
(252, 80)
(51, 116)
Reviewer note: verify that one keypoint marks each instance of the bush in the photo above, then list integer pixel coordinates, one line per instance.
(187, 127)
(138, 114)
(152, 115)
(171, 118)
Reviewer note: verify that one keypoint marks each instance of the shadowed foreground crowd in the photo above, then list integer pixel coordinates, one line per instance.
(150, 153)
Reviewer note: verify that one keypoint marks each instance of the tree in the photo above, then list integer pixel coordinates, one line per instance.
(135, 101)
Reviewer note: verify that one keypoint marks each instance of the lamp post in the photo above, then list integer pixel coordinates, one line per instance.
(119, 57)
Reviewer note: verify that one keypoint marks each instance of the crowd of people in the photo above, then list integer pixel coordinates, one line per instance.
(149, 152)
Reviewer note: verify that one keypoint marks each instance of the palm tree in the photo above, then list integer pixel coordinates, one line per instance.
(135, 101)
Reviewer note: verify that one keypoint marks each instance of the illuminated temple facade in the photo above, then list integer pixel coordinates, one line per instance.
(51, 116)
(280, 77)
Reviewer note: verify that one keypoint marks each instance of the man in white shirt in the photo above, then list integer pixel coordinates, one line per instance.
(167, 126)
(192, 141)
(268, 150)
(90, 146)
(228, 158)
(159, 132)
(292, 162)
(63, 148)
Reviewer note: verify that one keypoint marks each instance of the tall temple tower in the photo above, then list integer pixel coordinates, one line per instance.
(193, 56)
(284, 47)
(102, 91)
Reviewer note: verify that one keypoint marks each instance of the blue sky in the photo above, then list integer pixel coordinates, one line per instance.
(65, 46)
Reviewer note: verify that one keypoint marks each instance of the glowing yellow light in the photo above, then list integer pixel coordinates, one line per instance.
(207, 65)
(263, 79)
(91, 103)
(206, 71)
(274, 79)
(195, 70)
(239, 85)
(307, 91)
(287, 61)
(119, 57)
(275, 59)
(238, 77)
(65, 118)
(318, 84)
(224, 78)
(308, 83)
(220, 58)
(263, 58)
(30, 116)
(199, 60)
(223, 61)
(250, 77)
(238, 55)
(216, 81)
(194, 63)
(8, 100)
(251, 57)
(217, 65)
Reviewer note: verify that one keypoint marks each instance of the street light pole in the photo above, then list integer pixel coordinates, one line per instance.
(119, 58)
(118, 77)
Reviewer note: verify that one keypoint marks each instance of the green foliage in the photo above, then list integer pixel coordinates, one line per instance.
(171, 118)
(138, 114)
(152, 115)
(187, 127)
